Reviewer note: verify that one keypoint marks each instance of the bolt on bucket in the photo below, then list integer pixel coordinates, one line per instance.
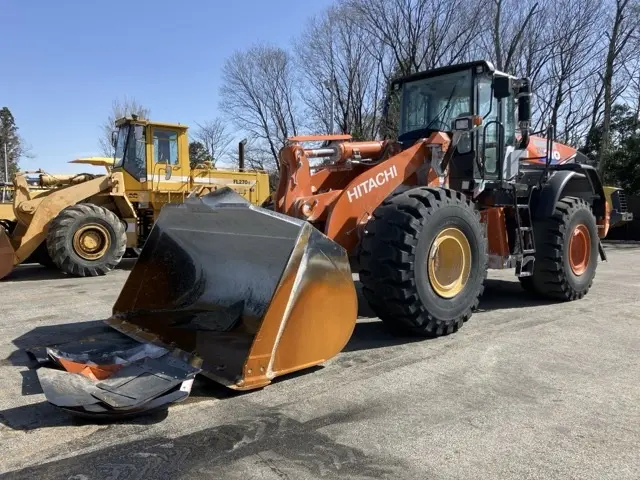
(250, 293)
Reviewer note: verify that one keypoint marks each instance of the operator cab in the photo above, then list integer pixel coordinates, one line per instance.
(150, 153)
(475, 104)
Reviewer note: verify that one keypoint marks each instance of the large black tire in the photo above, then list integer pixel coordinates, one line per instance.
(71, 220)
(394, 259)
(553, 276)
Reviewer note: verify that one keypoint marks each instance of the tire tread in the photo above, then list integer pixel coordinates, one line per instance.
(549, 278)
(387, 261)
(59, 231)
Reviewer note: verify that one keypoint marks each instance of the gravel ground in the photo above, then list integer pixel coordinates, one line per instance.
(526, 389)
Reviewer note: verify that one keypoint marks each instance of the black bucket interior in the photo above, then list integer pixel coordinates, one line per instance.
(206, 276)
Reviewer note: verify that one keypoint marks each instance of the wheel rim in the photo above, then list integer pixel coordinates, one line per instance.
(580, 250)
(91, 242)
(449, 263)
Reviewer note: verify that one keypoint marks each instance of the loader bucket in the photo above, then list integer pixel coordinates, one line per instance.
(6, 254)
(249, 293)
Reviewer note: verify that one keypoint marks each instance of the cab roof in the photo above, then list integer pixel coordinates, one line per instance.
(485, 65)
(145, 121)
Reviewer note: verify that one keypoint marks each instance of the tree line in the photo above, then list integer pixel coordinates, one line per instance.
(583, 60)
(12, 146)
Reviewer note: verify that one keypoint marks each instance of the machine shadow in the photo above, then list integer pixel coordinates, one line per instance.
(49, 335)
(40, 415)
(370, 333)
(34, 272)
(221, 451)
(507, 294)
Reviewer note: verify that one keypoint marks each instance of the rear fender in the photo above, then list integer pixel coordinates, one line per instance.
(583, 183)
(571, 183)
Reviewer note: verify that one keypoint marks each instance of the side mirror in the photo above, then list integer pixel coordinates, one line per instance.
(167, 173)
(501, 87)
(114, 138)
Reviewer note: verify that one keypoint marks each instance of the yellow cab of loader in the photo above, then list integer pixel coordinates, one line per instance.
(84, 224)
(153, 158)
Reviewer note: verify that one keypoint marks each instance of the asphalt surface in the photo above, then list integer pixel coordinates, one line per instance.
(526, 390)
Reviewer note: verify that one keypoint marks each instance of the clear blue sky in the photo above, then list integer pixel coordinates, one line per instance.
(64, 62)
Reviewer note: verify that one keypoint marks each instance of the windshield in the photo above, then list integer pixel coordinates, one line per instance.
(136, 156)
(120, 144)
(130, 151)
(434, 102)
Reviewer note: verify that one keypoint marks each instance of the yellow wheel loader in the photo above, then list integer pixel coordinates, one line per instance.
(40, 182)
(620, 213)
(84, 224)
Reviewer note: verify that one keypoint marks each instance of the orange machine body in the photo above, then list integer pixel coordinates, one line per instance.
(340, 198)
(339, 195)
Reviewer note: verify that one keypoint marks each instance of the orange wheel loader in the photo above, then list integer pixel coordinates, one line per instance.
(244, 294)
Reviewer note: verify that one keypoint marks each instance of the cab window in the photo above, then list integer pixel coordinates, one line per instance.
(165, 146)
(487, 107)
(135, 155)
(509, 120)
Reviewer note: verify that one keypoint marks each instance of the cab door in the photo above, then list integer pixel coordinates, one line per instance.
(167, 164)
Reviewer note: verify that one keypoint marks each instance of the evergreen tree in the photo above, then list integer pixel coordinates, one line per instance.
(622, 162)
(198, 154)
(9, 140)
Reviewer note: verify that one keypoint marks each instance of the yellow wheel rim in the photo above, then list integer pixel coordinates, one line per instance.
(449, 262)
(91, 241)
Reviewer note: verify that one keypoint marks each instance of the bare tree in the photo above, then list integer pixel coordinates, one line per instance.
(624, 25)
(119, 109)
(420, 34)
(562, 57)
(258, 95)
(582, 57)
(510, 22)
(340, 70)
(215, 138)
(632, 75)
